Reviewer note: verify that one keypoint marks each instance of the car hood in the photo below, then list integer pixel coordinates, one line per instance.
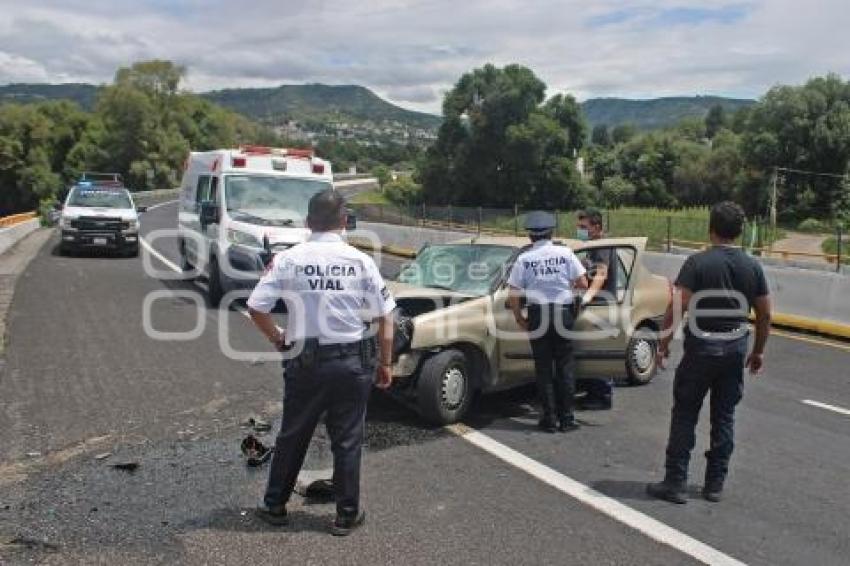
(406, 291)
(95, 212)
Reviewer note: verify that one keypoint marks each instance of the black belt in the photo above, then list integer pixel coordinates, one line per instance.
(333, 351)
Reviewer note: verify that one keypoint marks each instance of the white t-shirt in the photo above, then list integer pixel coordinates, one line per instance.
(331, 290)
(546, 273)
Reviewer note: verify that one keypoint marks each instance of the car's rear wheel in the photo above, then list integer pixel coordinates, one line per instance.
(444, 390)
(640, 356)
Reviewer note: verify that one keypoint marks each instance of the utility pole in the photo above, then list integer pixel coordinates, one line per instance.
(773, 203)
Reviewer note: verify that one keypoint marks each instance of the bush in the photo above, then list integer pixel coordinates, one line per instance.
(812, 226)
(403, 191)
(47, 211)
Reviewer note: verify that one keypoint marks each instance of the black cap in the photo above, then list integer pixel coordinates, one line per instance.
(539, 222)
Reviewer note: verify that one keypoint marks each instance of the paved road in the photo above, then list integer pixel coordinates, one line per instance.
(83, 379)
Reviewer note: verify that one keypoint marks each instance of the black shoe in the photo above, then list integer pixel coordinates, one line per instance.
(547, 425)
(674, 493)
(343, 526)
(567, 425)
(597, 403)
(274, 515)
(712, 491)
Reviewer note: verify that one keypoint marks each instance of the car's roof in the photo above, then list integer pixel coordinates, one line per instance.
(520, 242)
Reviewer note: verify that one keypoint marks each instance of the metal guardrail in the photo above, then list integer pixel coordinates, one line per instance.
(11, 220)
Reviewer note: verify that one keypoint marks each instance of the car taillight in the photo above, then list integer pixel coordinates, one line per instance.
(239, 162)
(318, 168)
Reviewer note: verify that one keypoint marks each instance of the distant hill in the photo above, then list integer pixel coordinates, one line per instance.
(317, 103)
(656, 112)
(83, 94)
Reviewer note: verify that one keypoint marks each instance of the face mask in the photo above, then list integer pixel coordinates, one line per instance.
(582, 234)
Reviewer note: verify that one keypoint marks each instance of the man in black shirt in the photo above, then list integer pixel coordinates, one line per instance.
(717, 288)
(602, 272)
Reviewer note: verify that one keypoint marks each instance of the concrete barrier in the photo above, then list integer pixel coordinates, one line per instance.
(13, 234)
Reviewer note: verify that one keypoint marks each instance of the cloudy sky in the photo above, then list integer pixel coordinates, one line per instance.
(412, 51)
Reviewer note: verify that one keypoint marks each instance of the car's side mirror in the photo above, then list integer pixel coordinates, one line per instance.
(209, 213)
(350, 222)
(141, 209)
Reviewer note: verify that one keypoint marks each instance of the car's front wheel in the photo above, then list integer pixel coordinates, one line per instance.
(215, 289)
(641, 352)
(444, 390)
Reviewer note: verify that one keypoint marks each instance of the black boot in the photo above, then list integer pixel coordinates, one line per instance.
(547, 424)
(567, 424)
(674, 492)
(273, 515)
(712, 490)
(342, 526)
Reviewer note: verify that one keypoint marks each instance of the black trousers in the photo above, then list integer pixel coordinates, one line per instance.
(340, 387)
(705, 368)
(554, 362)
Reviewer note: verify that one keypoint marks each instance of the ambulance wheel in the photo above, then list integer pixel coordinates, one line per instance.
(444, 389)
(641, 364)
(216, 291)
(185, 264)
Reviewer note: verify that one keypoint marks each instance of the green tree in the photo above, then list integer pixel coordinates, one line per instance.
(501, 144)
(383, 174)
(600, 135)
(623, 133)
(715, 120)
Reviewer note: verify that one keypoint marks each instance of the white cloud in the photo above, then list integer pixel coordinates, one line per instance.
(413, 50)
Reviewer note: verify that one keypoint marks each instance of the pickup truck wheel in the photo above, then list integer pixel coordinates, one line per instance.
(640, 356)
(216, 291)
(444, 388)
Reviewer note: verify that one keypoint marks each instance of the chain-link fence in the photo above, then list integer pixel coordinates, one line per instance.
(664, 230)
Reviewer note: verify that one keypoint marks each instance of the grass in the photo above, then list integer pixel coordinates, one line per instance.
(370, 197)
(688, 227)
(830, 246)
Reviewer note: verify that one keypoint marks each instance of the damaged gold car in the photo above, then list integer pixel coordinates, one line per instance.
(457, 336)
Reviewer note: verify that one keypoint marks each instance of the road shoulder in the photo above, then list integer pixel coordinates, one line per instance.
(13, 262)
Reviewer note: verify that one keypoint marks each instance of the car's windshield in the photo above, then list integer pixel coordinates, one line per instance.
(465, 268)
(99, 198)
(273, 201)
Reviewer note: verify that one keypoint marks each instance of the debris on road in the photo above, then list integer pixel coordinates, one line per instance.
(33, 454)
(29, 543)
(256, 453)
(126, 466)
(103, 456)
(258, 425)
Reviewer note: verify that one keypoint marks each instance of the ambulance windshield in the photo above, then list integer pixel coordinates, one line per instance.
(270, 201)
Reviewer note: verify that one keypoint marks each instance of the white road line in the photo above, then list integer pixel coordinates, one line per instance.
(174, 267)
(168, 263)
(833, 408)
(155, 206)
(645, 524)
(624, 514)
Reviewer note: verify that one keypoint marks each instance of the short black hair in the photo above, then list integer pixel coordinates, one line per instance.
(592, 214)
(727, 220)
(541, 236)
(326, 211)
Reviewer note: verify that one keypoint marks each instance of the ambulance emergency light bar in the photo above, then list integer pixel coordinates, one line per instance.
(277, 164)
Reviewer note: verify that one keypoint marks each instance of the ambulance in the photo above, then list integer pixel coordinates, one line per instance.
(239, 207)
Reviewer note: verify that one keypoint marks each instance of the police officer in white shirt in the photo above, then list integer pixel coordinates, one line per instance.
(332, 292)
(546, 275)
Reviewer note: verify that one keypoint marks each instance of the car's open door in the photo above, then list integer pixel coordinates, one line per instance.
(601, 328)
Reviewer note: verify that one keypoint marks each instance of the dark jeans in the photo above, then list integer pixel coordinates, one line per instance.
(554, 363)
(341, 388)
(705, 368)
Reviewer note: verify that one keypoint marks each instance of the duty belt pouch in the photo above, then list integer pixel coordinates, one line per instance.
(310, 354)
